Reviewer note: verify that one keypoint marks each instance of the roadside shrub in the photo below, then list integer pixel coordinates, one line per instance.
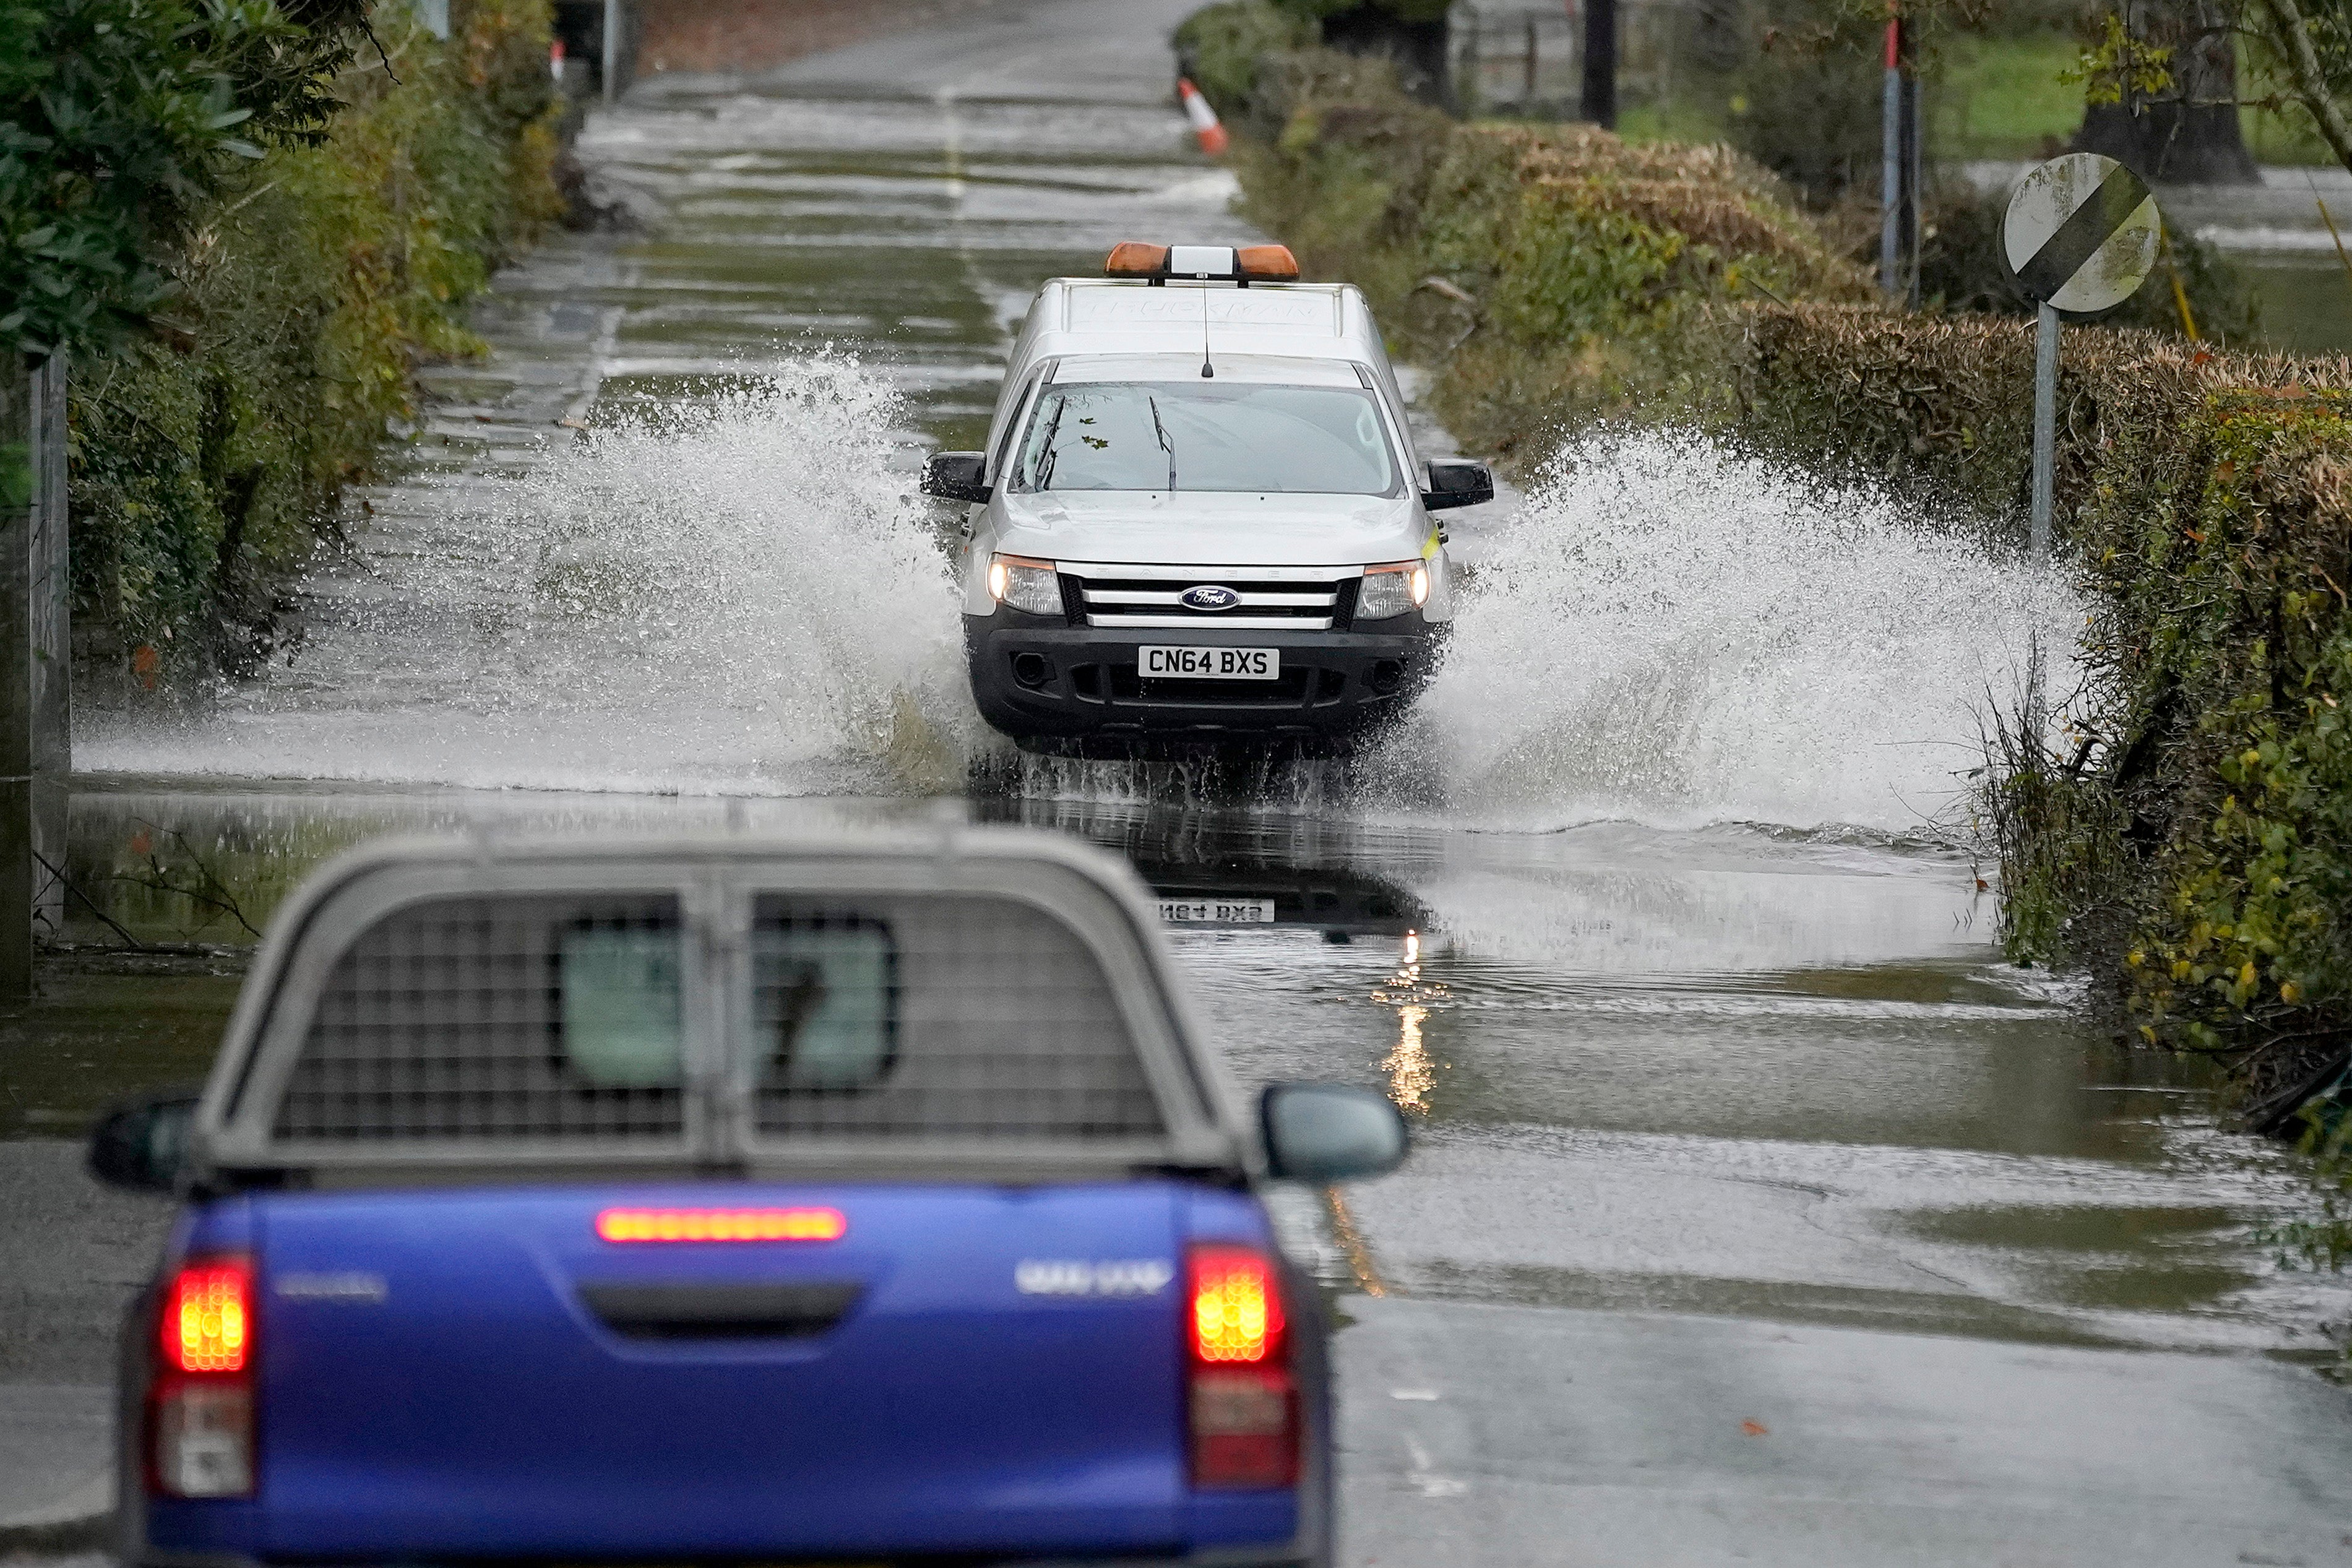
(1223, 47)
(119, 120)
(2190, 840)
(1553, 275)
(205, 463)
(2188, 837)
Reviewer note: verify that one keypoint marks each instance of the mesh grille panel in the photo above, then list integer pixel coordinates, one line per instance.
(1001, 1024)
(513, 1017)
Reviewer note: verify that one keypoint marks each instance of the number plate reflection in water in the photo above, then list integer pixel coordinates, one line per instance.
(1212, 663)
(1216, 911)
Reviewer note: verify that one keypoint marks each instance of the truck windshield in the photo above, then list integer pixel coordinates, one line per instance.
(1175, 436)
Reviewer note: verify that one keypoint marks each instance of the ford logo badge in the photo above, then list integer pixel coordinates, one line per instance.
(1209, 596)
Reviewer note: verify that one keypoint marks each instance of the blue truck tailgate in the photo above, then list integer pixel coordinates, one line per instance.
(475, 1374)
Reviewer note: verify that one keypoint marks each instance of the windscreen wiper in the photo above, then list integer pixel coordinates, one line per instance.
(1044, 479)
(1165, 445)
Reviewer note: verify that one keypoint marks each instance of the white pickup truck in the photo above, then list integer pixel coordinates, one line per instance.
(1200, 518)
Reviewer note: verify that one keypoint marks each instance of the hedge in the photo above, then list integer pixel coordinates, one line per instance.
(2184, 834)
(1551, 274)
(207, 461)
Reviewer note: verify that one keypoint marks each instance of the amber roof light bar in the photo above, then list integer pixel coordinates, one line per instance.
(1241, 264)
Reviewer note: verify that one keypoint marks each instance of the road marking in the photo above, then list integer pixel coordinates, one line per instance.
(1422, 1479)
(1412, 1394)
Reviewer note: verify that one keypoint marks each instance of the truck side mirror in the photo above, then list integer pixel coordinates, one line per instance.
(143, 1143)
(1329, 1132)
(1454, 483)
(956, 475)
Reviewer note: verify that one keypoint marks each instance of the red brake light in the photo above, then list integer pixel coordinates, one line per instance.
(208, 1316)
(199, 1439)
(723, 1225)
(1243, 1402)
(1236, 1306)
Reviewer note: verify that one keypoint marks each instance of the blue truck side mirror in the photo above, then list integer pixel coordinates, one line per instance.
(1331, 1133)
(143, 1144)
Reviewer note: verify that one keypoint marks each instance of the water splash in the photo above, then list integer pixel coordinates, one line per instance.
(737, 594)
(1671, 634)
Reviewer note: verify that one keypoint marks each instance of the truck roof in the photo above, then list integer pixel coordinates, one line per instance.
(1117, 315)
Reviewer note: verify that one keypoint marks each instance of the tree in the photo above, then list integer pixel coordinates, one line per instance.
(2184, 127)
(2312, 43)
(2164, 90)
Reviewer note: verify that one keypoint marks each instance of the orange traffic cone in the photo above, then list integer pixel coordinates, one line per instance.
(1202, 118)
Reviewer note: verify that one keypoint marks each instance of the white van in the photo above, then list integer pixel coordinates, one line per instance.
(1200, 518)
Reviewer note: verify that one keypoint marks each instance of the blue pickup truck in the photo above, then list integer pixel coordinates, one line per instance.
(857, 1200)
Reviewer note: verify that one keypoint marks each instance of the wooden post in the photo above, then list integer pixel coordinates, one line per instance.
(1601, 63)
(35, 670)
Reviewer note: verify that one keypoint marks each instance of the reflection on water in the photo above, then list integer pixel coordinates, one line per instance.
(2306, 300)
(1409, 1074)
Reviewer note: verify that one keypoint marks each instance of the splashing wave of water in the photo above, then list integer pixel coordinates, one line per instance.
(743, 597)
(738, 597)
(1671, 634)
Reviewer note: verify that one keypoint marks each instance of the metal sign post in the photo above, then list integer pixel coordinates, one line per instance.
(2079, 236)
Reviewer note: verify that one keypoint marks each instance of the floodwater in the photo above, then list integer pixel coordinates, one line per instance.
(1656, 921)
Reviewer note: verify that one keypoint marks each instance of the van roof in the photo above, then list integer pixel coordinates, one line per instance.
(1103, 315)
(1281, 370)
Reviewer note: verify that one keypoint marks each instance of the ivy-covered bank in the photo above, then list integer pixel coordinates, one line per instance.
(208, 454)
(2187, 836)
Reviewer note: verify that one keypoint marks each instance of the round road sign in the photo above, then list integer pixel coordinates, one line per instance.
(2080, 233)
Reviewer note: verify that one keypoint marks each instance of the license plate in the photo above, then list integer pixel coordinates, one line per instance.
(1216, 911)
(1212, 663)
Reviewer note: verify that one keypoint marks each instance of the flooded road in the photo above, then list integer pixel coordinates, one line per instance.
(1728, 1114)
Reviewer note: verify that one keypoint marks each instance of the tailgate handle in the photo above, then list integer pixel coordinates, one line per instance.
(721, 1311)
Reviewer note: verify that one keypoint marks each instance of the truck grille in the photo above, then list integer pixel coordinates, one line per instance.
(1289, 598)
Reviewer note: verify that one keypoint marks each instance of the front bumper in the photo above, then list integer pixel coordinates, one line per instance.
(1057, 686)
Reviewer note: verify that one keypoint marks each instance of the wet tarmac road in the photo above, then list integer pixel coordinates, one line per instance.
(1721, 1127)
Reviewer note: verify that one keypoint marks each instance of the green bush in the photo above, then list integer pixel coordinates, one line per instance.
(118, 121)
(205, 463)
(2192, 841)
(1552, 275)
(1223, 47)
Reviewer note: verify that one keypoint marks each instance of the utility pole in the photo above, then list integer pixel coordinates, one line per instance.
(1898, 218)
(36, 668)
(612, 62)
(1601, 63)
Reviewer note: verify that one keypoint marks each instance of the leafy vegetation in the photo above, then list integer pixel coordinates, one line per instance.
(119, 121)
(207, 460)
(1551, 274)
(2187, 836)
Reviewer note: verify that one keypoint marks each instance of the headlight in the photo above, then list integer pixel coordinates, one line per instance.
(1391, 590)
(1024, 584)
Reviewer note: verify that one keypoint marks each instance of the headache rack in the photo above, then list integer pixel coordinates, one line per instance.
(984, 1003)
